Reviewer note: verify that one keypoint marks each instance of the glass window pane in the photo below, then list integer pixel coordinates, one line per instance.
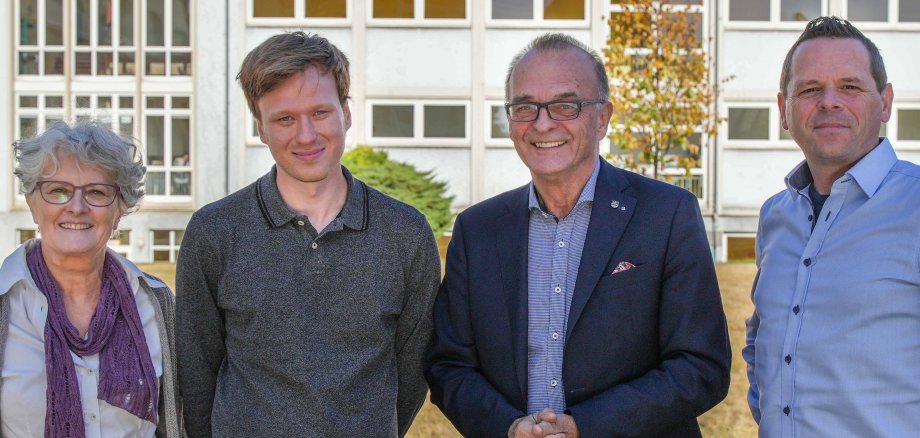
(512, 9)
(799, 10)
(180, 23)
(393, 121)
(181, 184)
(394, 8)
(784, 134)
(867, 10)
(28, 101)
(180, 102)
(82, 22)
(28, 22)
(155, 23)
(104, 63)
(126, 126)
(155, 183)
(179, 234)
(54, 23)
(27, 126)
(563, 10)
(748, 123)
(154, 142)
(445, 8)
(180, 64)
(25, 235)
(126, 23)
(326, 8)
(499, 122)
(908, 124)
(83, 63)
(161, 237)
(156, 64)
(909, 10)
(54, 101)
(104, 102)
(125, 102)
(104, 21)
(123, 237)
(28, 63)
(273, 8)
(180, 141)
(445, 121)
(126, 63)
(161, 256)
(883, 131)
(81, 102)
(54, 63)
(749, 10)
(155, 102)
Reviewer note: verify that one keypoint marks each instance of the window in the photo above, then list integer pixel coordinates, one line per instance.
(35, 112)
(748, 123)
(167, 144)
(908, 124)
(434, 123)
(115, 110)
(909, 11)
(778, 10)
(121, 243)
(418, 10)
(538, 10)
(498, 122)
(24, 235)
(299, 8)
(104, 38)
(867, 10)
(166, 244)
(167, 43)
(40, 45)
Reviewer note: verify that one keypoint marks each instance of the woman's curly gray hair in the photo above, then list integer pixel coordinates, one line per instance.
(91, 144)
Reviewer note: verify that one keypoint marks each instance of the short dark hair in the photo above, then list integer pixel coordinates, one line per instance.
(285, 55)
(838, 28)
(561, 41)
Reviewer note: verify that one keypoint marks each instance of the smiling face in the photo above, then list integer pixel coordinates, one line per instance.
(558, 150)
(303, 122)
(74, 229)
(832, 107)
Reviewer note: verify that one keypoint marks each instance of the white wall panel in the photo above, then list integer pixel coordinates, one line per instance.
(749, 177)
(417, 58)
(504, 171)
(449, 164)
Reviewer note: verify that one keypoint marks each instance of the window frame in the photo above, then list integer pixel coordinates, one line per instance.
(167, 168)
(172, 247)
(41, 47)
(419, 19)
(94, 48)
(893, 21)
(418, 138)
(538, 21)
(299, 18)
(167, 49)
(773, 23)
(492, 142)
(774, 125)
(894, 122)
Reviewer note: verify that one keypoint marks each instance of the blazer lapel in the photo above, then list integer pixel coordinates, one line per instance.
(511, 236)
(612, 210)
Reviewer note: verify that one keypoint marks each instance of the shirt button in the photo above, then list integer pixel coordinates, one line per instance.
(313, 245)
(795, 310)
(88, 372)
(92, 417)
(561, 244)
(300, 223)
(557, 289)
(555, 335)
(553, 383)
(806, 262)
(786, 410)
(811, 218)
(788, 359)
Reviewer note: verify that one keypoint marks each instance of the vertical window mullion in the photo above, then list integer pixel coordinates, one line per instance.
(418, 122)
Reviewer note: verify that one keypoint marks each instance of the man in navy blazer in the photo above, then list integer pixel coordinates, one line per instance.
(584, 303)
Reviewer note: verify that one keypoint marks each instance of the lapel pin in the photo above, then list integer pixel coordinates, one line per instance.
(614, 204)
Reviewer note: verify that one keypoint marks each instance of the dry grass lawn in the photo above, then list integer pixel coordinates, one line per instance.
(730, 418)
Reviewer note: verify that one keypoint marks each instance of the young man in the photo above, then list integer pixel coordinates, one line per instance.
(304, 299)
(585, 302)
(833, 345)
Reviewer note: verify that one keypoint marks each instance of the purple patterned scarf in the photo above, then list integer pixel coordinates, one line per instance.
(127, 378)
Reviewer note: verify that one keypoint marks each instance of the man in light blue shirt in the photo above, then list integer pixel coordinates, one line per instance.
(833, 346)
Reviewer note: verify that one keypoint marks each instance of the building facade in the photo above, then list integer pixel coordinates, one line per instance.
(427, 86)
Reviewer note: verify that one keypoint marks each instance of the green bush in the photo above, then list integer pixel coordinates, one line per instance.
(403, 182)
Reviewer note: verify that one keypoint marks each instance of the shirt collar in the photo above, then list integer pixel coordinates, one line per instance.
(16, 269)
(869, 172)
(353, 214)
(587, 193)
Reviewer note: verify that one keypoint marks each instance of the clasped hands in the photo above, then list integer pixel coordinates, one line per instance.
(545, 423)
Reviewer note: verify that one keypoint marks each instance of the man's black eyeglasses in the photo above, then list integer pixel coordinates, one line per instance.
(559, 110)
(61, 192)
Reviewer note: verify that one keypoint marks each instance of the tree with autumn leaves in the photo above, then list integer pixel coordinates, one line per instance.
(660, 85)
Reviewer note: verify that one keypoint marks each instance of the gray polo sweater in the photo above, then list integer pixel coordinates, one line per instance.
(283, 331)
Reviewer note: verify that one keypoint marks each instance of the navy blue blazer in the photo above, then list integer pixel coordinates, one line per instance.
(646, 349)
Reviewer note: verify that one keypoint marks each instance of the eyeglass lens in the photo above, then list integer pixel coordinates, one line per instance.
(61, 192)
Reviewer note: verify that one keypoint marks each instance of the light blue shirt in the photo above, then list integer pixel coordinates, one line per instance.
(833, 347)
(553, 256)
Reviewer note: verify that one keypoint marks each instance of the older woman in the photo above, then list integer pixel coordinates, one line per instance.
(86, 338)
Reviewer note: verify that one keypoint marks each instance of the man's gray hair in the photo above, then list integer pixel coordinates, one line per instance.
(91, 144)
(561, 41)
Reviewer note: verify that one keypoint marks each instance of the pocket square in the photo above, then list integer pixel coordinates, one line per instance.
(622, 266)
